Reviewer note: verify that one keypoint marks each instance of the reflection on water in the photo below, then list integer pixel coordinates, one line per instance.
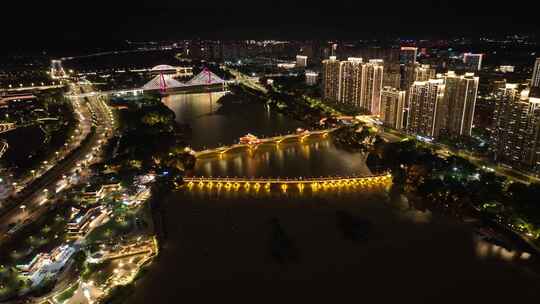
(190, 107)
(215, 125)
(373, 192)
(221, 243)
(314, 157)
(285, 191)
(218, 240)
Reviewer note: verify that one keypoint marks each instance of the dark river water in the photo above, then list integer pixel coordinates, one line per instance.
(221, 246)
(311, 158)
(22, 142)
(215, 125)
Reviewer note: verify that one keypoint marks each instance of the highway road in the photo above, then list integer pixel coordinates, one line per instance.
(246, 80)
(97, 124)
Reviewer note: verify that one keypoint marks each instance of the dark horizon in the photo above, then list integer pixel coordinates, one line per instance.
(64, 26)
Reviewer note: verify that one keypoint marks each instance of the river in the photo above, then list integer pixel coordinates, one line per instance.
(23, 142)
(215, 125)
(220, 245)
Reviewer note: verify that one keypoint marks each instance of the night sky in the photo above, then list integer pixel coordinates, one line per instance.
(80, 24)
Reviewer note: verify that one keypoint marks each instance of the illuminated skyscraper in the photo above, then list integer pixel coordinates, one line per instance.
(445, 104)
(535, 81)
(515, 136)
(473, 62)
(416, 72)
(411, 73)
(392, 76)
(408, 55)
(424, 99)
(311, 78)
(456, 113)
(301, 61)
(424, 72)
(330, 77)
(352, 89)
(354, 82)
(392, 107)
(375, 75)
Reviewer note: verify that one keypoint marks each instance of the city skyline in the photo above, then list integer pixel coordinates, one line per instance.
(115, 22)
(153, 151)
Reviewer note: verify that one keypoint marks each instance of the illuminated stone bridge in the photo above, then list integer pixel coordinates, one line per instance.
(270, 140)
(5, 127)
(321, 183)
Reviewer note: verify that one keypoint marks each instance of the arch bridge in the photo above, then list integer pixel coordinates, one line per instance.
(276, 139)
(5, 127)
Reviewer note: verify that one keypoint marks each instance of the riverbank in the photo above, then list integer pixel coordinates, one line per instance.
(455, 187)
(299, 107)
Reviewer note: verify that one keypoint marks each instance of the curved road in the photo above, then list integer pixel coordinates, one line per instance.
(95, 115)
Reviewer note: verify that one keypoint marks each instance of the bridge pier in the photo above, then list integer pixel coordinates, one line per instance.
(315, 184)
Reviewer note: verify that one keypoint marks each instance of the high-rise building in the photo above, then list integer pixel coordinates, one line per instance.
(411, 73)
(416, 72)
(535, 81)
(424, 72)
(407, 55)
(352, 79)
(311, 78)
(443, 106)
(515, 138)
(301, 61)
(424, 98)
(473, 62)
(330, 76)
(392, 107)
(375, 76)
(392, 76)
(456, 113)
(354, 82)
